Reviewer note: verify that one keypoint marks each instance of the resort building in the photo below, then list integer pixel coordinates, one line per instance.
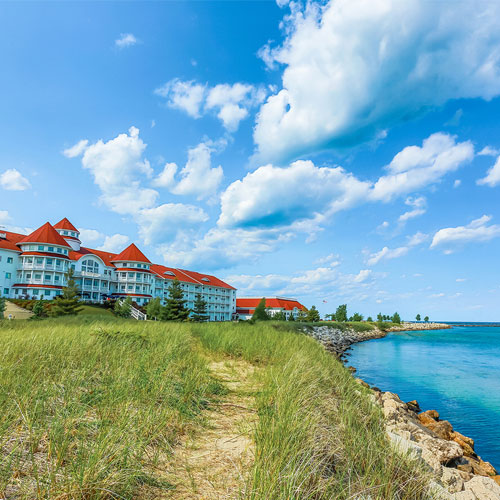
(36, 265)
(245, 306)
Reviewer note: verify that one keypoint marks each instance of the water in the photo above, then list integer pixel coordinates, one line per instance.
(456, 372)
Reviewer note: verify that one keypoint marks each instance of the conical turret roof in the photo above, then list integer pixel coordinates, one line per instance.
(45, 234)
(131, 253)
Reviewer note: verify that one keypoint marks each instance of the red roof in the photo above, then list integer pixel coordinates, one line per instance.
(133, 254)
(65, 224)
(202, 279)
(106, 257)
(45, 234)
(273, 302)
(10, 241)
(22, 285)
(46, 254)
(161, 270)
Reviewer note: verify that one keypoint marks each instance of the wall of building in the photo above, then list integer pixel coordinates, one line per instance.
(9, 262)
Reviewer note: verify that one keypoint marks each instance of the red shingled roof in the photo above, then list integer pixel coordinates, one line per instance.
(133, 254)
(273, 302)
(212, 280)
(10, 241)
(45, 234)
(161, 270)
(65, 224)
(106, 257)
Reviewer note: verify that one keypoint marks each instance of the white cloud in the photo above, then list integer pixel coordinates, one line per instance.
(355, 68)
(477, 231)
(415, 167)
(89, 235)
(126, 40)
(419, 207)
(460, 280)
(186, 96)
(13, 180)
(457, 183)
(76, 150)
(5, 218)
(489, 151)
(118, 169)
(393, 253)
(230, 103)
(164, 222)
(301, 193)
(331, 260)
(166, 178)
(198, 177)
(114, 244)
(492, 177)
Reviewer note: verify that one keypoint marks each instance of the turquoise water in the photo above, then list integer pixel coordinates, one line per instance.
(456, 372)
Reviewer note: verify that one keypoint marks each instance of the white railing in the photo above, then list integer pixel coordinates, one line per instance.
(135, 313)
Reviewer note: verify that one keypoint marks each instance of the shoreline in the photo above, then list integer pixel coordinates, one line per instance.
(458, 472)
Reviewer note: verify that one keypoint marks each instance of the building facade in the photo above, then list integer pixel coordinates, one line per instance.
(245, 306)
(36, 266)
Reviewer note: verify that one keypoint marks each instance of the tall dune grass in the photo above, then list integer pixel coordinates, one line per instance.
(88, 405)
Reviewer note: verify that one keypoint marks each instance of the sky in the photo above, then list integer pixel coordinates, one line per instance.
(344, 151)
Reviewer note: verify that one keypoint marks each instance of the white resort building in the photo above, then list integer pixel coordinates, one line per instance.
(35, 266)
(245, 306)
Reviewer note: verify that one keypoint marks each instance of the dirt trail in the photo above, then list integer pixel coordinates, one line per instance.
(213, 462)
(15, 311)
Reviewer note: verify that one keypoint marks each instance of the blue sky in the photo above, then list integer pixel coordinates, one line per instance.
(346, 151)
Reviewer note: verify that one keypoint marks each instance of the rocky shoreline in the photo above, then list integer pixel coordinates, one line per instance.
(458, 472)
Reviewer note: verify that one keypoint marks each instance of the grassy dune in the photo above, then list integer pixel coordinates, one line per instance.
(90, 406)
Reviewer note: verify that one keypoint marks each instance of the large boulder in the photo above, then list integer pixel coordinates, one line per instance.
(484, 488)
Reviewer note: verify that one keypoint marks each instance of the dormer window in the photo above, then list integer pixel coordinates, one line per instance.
(205, 279)
(51, 249)
(169, 273)
(40, 248)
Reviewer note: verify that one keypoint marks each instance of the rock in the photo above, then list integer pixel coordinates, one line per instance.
(413, 406)
(452, 479)
(484, 488)
(443, 429)
(428, 416)
(362, 382)
(404, 445)
(438, 492)
(443, 451)
(496, 479)
(480, 467)
(465, 442)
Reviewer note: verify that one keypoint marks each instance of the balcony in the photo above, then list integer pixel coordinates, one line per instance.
(88, 274)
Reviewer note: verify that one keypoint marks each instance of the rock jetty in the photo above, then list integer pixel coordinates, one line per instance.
(458, 472)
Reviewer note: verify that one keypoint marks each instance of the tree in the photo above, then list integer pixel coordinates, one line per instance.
(356, 317)
(331, 316)
(280, 316)
(68, 303)
(291, 317)
(369, 319)
(380, 318)
(2, 307)
(302, 316)
(153, 308)
(418, 317)
(39, 310)
(123, 307)
(396, 318)
(175, 309)
(313, 315)
(341, 313)
(426, 319)
(200, 309)
(260, 313)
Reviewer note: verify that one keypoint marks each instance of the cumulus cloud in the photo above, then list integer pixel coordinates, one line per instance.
(476, 231)
(353, 69)
(273, 196)
(115, 243)
(230, 103)
(126, 40)
(90, 235)
(415, 167)
(489, 151)
(492, 177)
(13, 180)
(419, 207)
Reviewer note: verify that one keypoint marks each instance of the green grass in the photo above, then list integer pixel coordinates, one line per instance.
(88, 407)
(95, 311)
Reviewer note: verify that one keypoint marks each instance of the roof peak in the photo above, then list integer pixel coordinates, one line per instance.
(65, 224)
(45, 234)
(131, 253)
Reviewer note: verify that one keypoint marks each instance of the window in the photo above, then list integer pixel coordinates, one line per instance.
(10, 260)
(56, 278)
(28, 276)
(16, 291)
(59, 250)
(8, 276)
(38, 276)
(50, 249)
(6, 291)
(130, 287)
(32, 247)
(169, 273)
(35, 292)
(65, 232)
(205, 279)
(124, 264)
(65, 251)
(58, 262)
(47, 292)
(47, 277)
(50, 261)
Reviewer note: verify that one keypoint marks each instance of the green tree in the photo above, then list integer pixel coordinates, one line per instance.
(123, 307)
(331, 316)
(313, 315)
(396, 318)
(357, 317)
(39, 310)
(175, 309)
(280, 316)
(68, 303)
(380, 318)
(2, 307)
(426, 319)
(418, 317)
(260, 313)
(341, 313)
(302, 316)
(369, 319)
(291, 317)
(200, 309)
(153, 309)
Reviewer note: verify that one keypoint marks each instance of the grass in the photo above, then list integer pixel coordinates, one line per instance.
(90, 404)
